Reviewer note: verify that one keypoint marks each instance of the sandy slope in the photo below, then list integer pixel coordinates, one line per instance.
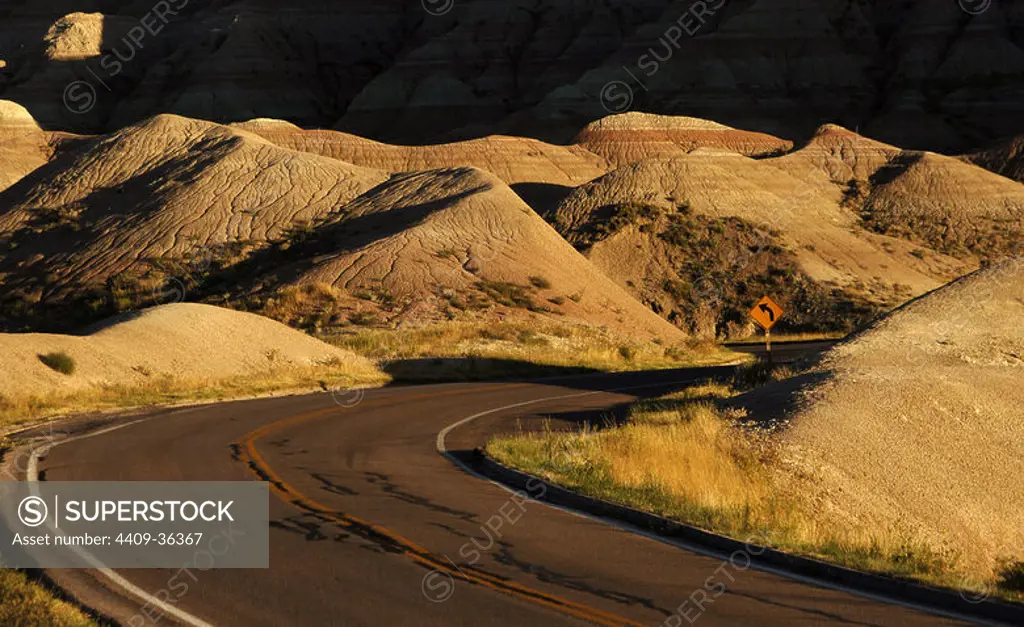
(182, 341)
(920, 426)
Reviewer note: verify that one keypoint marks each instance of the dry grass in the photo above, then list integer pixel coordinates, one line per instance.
(700, 475)
(170, 390)
(687, 457)
(540, 344)
(311, 306)
(782, 338)
(24, 603)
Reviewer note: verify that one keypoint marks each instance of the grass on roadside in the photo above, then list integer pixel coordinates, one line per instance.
(781, 338)
(690, 457)
(25, 603)
(159, 390)
(513, 348)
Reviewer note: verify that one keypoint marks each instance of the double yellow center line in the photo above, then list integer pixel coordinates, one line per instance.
(249, 454)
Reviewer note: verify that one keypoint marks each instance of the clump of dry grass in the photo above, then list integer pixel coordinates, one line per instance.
(693, 454)
(28, 604)
(308, 306)
(59, 361)
(689, 457)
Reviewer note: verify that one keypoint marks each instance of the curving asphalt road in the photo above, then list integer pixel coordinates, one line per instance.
(372, 526)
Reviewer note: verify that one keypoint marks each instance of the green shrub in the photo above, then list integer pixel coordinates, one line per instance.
(59, 361)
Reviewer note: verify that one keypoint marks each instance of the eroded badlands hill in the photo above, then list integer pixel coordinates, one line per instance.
(541, 173)
(840, 229)
(513, 159)
(919, 426)
(1006, 158)
(701, 237)
(921, 74)
(176, 208)
(629, 137)
(930, 199)
(459, 243)
(168, 190)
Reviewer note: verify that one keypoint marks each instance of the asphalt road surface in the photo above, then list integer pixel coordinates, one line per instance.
(370, 524)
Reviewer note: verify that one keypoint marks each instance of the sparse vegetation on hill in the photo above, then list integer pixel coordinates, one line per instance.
(701, 237)
(431, 246)
(148, 390)
(714, 269)
(105, 226)
(942, 203)
(990, 239)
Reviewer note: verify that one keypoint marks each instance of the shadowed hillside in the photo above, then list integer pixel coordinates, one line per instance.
(922, 74)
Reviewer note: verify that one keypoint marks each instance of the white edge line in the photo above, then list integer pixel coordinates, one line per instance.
(694, 548)
(32, 476)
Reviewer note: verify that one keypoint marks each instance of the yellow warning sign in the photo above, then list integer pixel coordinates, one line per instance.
(766, 313)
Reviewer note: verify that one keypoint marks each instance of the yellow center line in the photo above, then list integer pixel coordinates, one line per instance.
(250, 455)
